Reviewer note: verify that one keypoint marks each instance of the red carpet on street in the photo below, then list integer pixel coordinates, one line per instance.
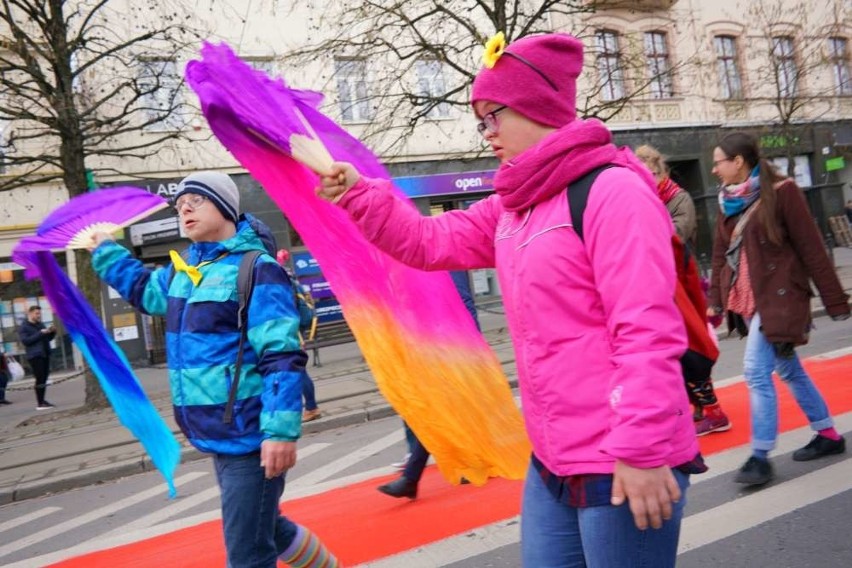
(360, 524)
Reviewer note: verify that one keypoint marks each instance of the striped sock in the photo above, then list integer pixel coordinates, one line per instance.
(307, 551)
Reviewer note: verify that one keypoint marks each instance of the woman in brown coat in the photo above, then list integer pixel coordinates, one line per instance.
(766, 249)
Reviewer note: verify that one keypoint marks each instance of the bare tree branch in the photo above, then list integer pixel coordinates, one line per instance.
(394, 36)
(76, 84)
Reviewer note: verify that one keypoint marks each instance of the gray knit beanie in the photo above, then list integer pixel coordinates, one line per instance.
(217, 187)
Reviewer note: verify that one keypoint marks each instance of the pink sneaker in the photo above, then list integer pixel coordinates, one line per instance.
(714, 420)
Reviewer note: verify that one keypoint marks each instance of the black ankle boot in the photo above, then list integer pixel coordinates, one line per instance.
(402, 487)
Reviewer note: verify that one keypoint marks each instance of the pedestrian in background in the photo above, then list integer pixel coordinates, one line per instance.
(197, 294)
(597, 336)
(36, 338)
(414, 463)
(766, 249)
(707, 412)
(4, 378)
(677, 200)
(312, 411)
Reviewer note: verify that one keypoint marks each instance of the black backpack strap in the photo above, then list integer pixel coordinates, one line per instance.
(245, 287)
(578, 196)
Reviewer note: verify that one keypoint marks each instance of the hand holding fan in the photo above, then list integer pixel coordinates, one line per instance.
(307, 148)
(290, 133)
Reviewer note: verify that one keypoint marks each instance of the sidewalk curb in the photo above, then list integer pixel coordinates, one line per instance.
(142, 464)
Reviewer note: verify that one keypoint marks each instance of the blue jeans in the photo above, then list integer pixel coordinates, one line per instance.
(308, 392)
(255, 531)
(759, 362)
(556, 535)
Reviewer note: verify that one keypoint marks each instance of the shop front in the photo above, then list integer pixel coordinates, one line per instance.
(436, 194)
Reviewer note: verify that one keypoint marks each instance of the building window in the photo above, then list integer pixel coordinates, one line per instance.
(609, 65)
(431, 85)
(729, 72)
(786, 72)
(352, 90)
(264, 64)
(839, 57)
(658, 65)
(801, 169)
(159, 87)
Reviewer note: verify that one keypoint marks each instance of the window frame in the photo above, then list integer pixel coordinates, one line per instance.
(786, 66)
(728, 66)
(344, 77)
(172, 95)
(839, 61)
(432, 85)
(658, 64)
(612, 78)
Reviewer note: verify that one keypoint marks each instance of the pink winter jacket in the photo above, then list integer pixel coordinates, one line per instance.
(596, 332)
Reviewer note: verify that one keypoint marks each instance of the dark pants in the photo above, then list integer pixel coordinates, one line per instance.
(4, 380)
(417, 460)
(255, 531)
(41, 368)
(308, 392)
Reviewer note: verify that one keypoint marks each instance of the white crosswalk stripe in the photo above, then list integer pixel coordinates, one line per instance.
(186, 503)
(93, 515)
(29, 517)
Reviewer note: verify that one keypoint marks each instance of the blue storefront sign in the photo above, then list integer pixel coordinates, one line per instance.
(446, 184)
(310, 275)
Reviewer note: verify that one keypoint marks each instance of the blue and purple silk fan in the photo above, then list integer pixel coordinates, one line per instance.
(73, 225)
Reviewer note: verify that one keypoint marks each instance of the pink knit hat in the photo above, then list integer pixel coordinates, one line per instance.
(535, 76)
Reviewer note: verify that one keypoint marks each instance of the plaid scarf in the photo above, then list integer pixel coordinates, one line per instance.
(736, 198)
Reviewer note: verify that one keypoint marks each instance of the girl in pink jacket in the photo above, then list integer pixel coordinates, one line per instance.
(596, 331)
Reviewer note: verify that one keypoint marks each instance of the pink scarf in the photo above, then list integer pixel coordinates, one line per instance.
(667, 189)
(548, 167)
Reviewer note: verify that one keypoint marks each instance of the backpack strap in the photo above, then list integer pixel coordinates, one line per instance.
(245, 287)
(578, 196)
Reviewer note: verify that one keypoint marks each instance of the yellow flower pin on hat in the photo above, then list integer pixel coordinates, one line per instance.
(494, 48)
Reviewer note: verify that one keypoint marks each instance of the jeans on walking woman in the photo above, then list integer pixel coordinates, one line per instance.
(760, 360)
(557, 535)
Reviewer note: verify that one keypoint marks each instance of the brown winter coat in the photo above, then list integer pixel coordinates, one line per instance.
(780, 274)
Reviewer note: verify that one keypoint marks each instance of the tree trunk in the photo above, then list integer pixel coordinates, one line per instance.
(73, 162)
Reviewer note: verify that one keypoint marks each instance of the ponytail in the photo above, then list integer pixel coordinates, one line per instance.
(769, 176)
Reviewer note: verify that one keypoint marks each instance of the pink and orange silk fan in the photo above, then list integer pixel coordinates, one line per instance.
(427, 356)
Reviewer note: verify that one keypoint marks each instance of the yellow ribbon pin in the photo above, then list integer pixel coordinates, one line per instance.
(181, 266)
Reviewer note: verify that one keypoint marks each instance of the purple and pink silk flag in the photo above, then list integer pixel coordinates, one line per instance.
(427, 356)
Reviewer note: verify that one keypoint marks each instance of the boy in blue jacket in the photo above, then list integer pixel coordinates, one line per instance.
(198, 296)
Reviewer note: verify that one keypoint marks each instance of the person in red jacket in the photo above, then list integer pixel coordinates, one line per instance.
(766, 249)
(703, 352)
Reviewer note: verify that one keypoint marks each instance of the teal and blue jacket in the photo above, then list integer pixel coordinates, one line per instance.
(202, 337)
